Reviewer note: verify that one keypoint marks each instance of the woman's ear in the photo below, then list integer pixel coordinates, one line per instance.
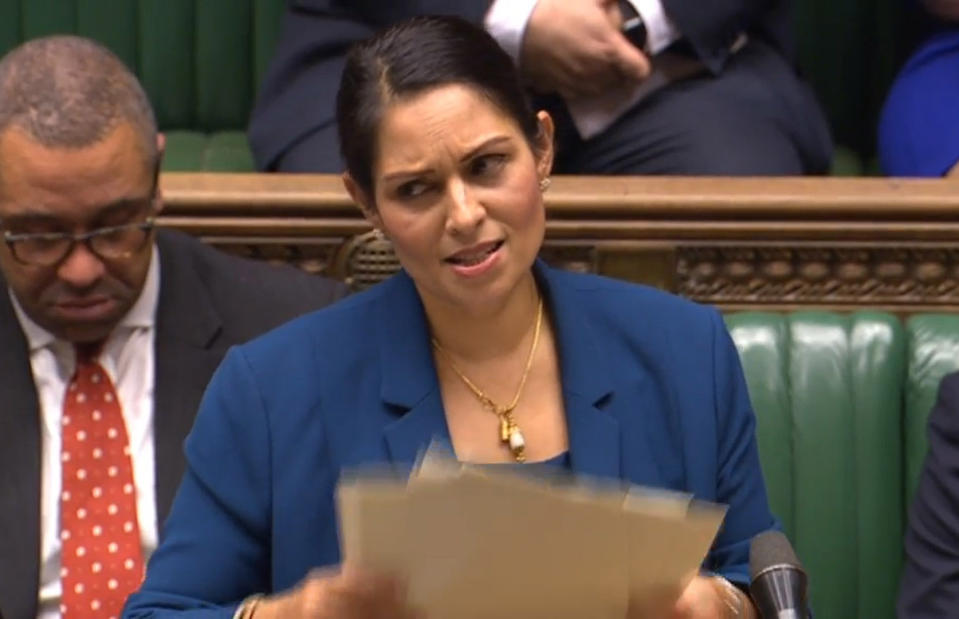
(545, 148)
(362, 200)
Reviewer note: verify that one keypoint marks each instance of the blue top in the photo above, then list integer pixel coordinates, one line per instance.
(919, 126)
(652, 389)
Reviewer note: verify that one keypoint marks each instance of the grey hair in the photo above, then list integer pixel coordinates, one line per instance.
(70, 92)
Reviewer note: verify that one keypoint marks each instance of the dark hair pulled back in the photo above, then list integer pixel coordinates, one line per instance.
(409, 58)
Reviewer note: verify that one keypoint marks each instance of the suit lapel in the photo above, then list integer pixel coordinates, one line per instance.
(20, 469)
(186, 329)
(598, 447)
(594, 436)
(409, 381)
(416, 429)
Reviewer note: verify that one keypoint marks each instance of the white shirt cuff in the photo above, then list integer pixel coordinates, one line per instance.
(661, 32)
(506, 21)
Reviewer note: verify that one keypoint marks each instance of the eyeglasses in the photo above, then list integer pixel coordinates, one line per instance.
(46, 249)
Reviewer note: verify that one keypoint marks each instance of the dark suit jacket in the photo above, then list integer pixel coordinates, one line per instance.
(298, 93)
(208, 302)
(653, 394)
(930, 577)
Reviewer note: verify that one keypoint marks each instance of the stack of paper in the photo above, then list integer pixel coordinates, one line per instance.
(486, 541)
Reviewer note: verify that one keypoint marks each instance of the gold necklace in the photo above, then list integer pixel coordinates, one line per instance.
(509, 431)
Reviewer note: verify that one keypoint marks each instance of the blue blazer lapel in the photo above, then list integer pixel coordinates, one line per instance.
(410, 386)
(416, 429)
(596, 440)
(409, 383)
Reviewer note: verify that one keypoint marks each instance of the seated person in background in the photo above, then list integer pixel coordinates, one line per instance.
(733, 105)
(475, 342)
(930, 577)
(110, 331)
(919, 125)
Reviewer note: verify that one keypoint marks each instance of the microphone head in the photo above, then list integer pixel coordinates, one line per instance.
(771, 549)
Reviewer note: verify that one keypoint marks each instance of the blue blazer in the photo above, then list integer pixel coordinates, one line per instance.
(652, 386)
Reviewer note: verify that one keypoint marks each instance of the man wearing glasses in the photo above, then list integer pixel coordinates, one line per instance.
(109, 330)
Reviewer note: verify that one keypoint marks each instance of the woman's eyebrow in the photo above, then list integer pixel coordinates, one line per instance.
(410, 173)
(413, 172)
(493, 141)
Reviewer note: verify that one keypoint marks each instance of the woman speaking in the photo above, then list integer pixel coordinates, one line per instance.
(475, 342)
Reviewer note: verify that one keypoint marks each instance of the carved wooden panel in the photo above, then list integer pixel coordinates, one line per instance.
(757, 243)
(580, 258)
(367, 259)
(313, 256)
(856, 275)
(736, 276)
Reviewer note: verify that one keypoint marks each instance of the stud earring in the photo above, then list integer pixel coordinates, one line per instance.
(544, 184)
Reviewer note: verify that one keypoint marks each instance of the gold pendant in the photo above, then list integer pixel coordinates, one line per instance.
(504, 427)
(517, 444)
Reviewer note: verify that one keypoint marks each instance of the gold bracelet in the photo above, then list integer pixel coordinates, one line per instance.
(731, 596)
(248, 606)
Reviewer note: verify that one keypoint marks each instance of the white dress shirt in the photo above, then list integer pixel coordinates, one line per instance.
(127, 357)
(661, 32)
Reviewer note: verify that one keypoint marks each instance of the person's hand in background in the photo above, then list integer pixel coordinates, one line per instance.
(575, 48)
(341, 594)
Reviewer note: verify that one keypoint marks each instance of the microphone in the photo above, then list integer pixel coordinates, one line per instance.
(777, 581)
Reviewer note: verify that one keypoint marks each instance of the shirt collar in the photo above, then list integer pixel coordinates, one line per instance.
(143, 313)
(141, 316)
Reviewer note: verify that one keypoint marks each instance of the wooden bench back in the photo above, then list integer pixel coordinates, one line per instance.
(777, 244)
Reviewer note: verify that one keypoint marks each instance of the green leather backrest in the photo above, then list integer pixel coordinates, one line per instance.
(827, 391)
(200, 60)
(933, 352)
(851, 51)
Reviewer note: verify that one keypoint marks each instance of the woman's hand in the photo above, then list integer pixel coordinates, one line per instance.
(701, 600)
(704, 598)
(707, 597)
(340, 594)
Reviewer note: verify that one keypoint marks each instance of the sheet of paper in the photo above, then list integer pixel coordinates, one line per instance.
(483, 551)
(482, 542)
(661, 547)
(373, 519)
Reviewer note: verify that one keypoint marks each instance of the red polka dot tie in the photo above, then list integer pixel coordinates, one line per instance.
(101, 559)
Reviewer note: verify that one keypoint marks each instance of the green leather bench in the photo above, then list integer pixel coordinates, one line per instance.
(841, 404)
(201, 63)
(199, 60)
